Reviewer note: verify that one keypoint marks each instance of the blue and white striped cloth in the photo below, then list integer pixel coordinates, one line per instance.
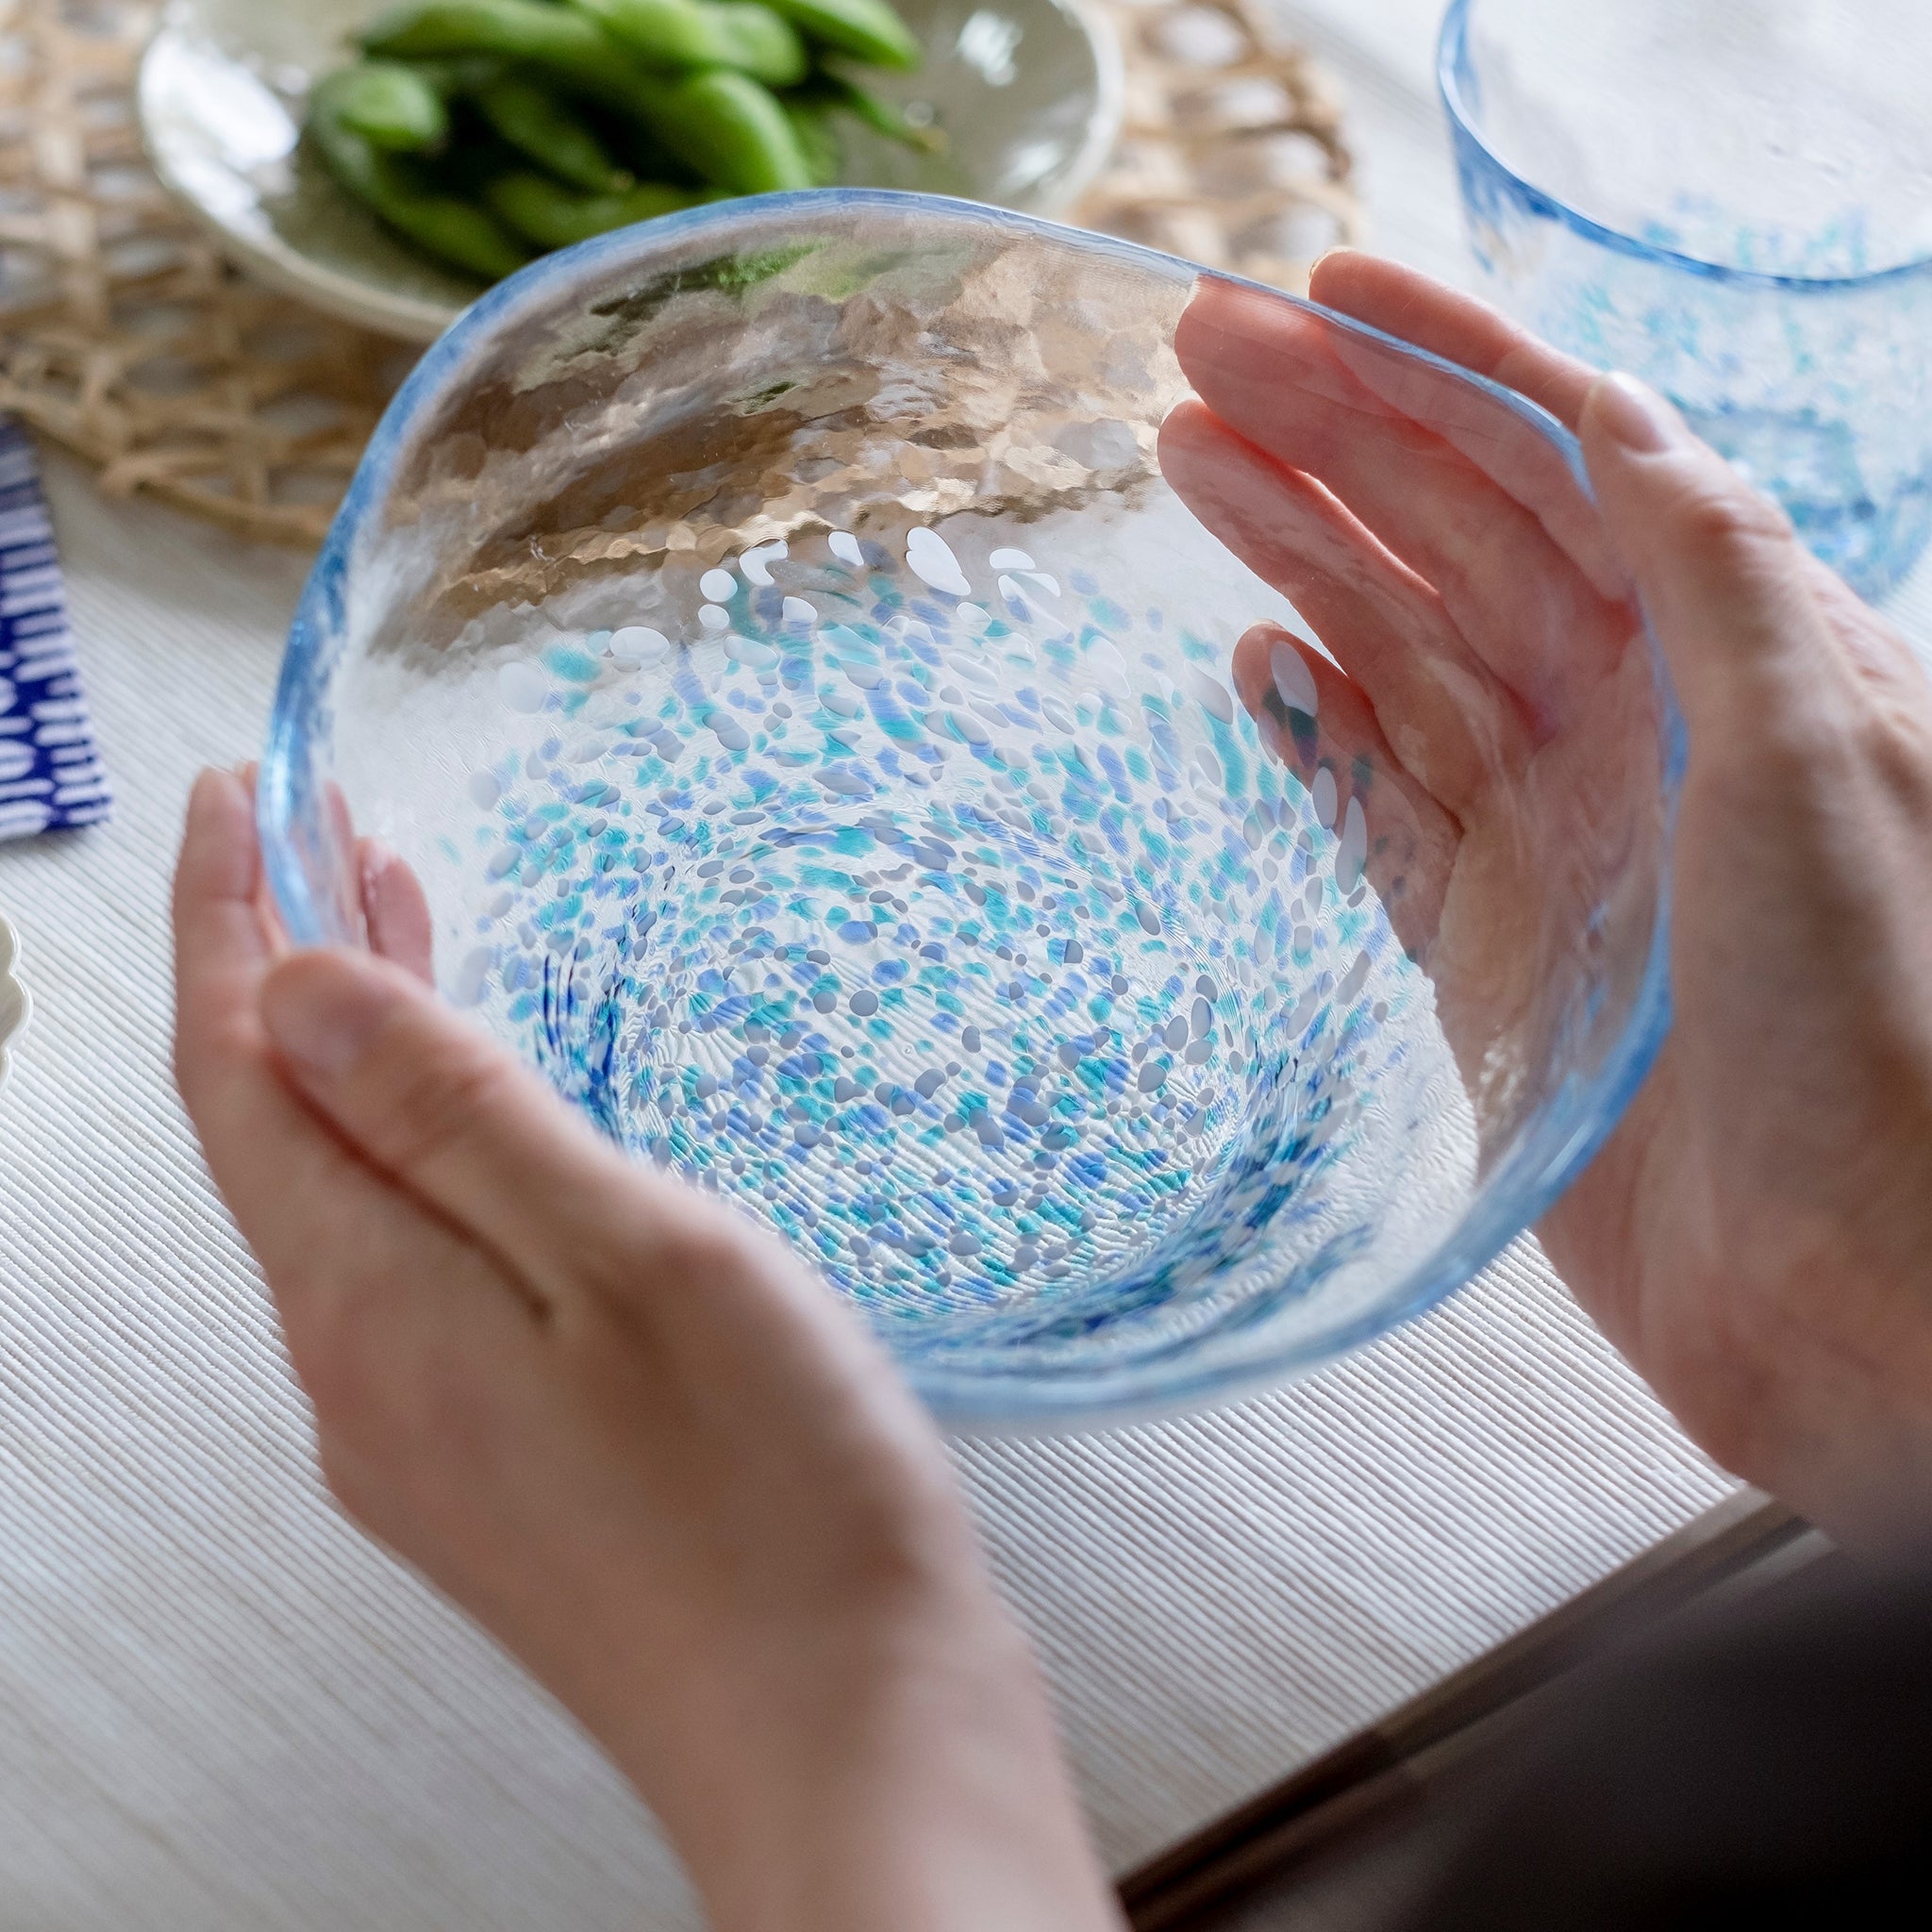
(50, 774)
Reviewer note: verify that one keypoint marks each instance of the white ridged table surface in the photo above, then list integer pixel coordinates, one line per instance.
(220, 1708)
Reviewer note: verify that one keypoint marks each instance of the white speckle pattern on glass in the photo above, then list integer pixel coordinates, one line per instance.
(756, 563)
(1325, 798)
(638, 643)
(523, 686)
(931, 561)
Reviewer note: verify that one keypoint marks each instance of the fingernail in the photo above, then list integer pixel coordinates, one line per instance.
(1638, 417)
(211, 797)
(376, 859)
(323, 1009)
(1293, 680)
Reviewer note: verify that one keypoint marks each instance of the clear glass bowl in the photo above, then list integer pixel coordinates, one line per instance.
(1733, 202)
(819, 728)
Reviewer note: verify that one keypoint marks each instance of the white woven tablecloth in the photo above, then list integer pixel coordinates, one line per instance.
(220, 1708)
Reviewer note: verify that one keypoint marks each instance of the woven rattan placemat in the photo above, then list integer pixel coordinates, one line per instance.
(126, 337)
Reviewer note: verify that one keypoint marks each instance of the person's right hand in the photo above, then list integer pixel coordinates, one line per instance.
(1757, 1237)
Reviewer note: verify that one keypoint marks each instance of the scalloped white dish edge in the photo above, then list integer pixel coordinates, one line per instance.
(16, 1009)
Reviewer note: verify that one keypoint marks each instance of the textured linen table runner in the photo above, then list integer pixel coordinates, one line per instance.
(222, 1710)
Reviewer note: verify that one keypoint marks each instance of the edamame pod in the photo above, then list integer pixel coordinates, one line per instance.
(869, 30)
(460, 73)
(882, 117)
(759, 41)
(665, 33)
(728, 128)
(559, 39)
(564, 44)
(535, 122)
(443, 225)
(811, 123)
(679, 34)
(553, 217)
(391, 107)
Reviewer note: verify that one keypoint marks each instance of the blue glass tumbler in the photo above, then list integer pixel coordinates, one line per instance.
(1734, 202)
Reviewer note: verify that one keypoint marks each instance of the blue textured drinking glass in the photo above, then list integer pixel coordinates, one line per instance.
(1732, 200)
(788, 644)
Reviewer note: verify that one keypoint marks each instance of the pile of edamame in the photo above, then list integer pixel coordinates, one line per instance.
(489, 131)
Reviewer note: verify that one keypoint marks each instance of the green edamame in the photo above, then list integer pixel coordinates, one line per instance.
(679, 34)
(811, 120)
(662, 33)
(473, 127)
(553, 217)
(564, 42)
(868, 30)
(728, 128)
(559, 39)
(535, 122)
(456, 74)
(392, 107)
(882, 117)
(759, 41)
(443, 225)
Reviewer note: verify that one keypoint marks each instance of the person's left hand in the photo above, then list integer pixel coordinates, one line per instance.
(625, 1429)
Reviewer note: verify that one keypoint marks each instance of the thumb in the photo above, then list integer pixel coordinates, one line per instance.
(422, 1094)
(1731, 593)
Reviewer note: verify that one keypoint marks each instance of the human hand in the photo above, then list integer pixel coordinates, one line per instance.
(626, 1430)
(1436, 543)
(1753, 1236)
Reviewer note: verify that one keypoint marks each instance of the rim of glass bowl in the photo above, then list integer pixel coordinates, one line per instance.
(1452, 49)
(1560, 1139)
(16, 1003)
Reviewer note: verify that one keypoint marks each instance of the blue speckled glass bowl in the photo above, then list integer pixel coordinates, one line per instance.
(1733, 201)
(815, 721)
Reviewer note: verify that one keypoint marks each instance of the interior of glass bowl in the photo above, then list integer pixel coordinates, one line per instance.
(824, 740)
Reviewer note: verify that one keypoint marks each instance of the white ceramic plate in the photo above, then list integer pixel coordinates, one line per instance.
(14, 1004)
(1029, 91)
